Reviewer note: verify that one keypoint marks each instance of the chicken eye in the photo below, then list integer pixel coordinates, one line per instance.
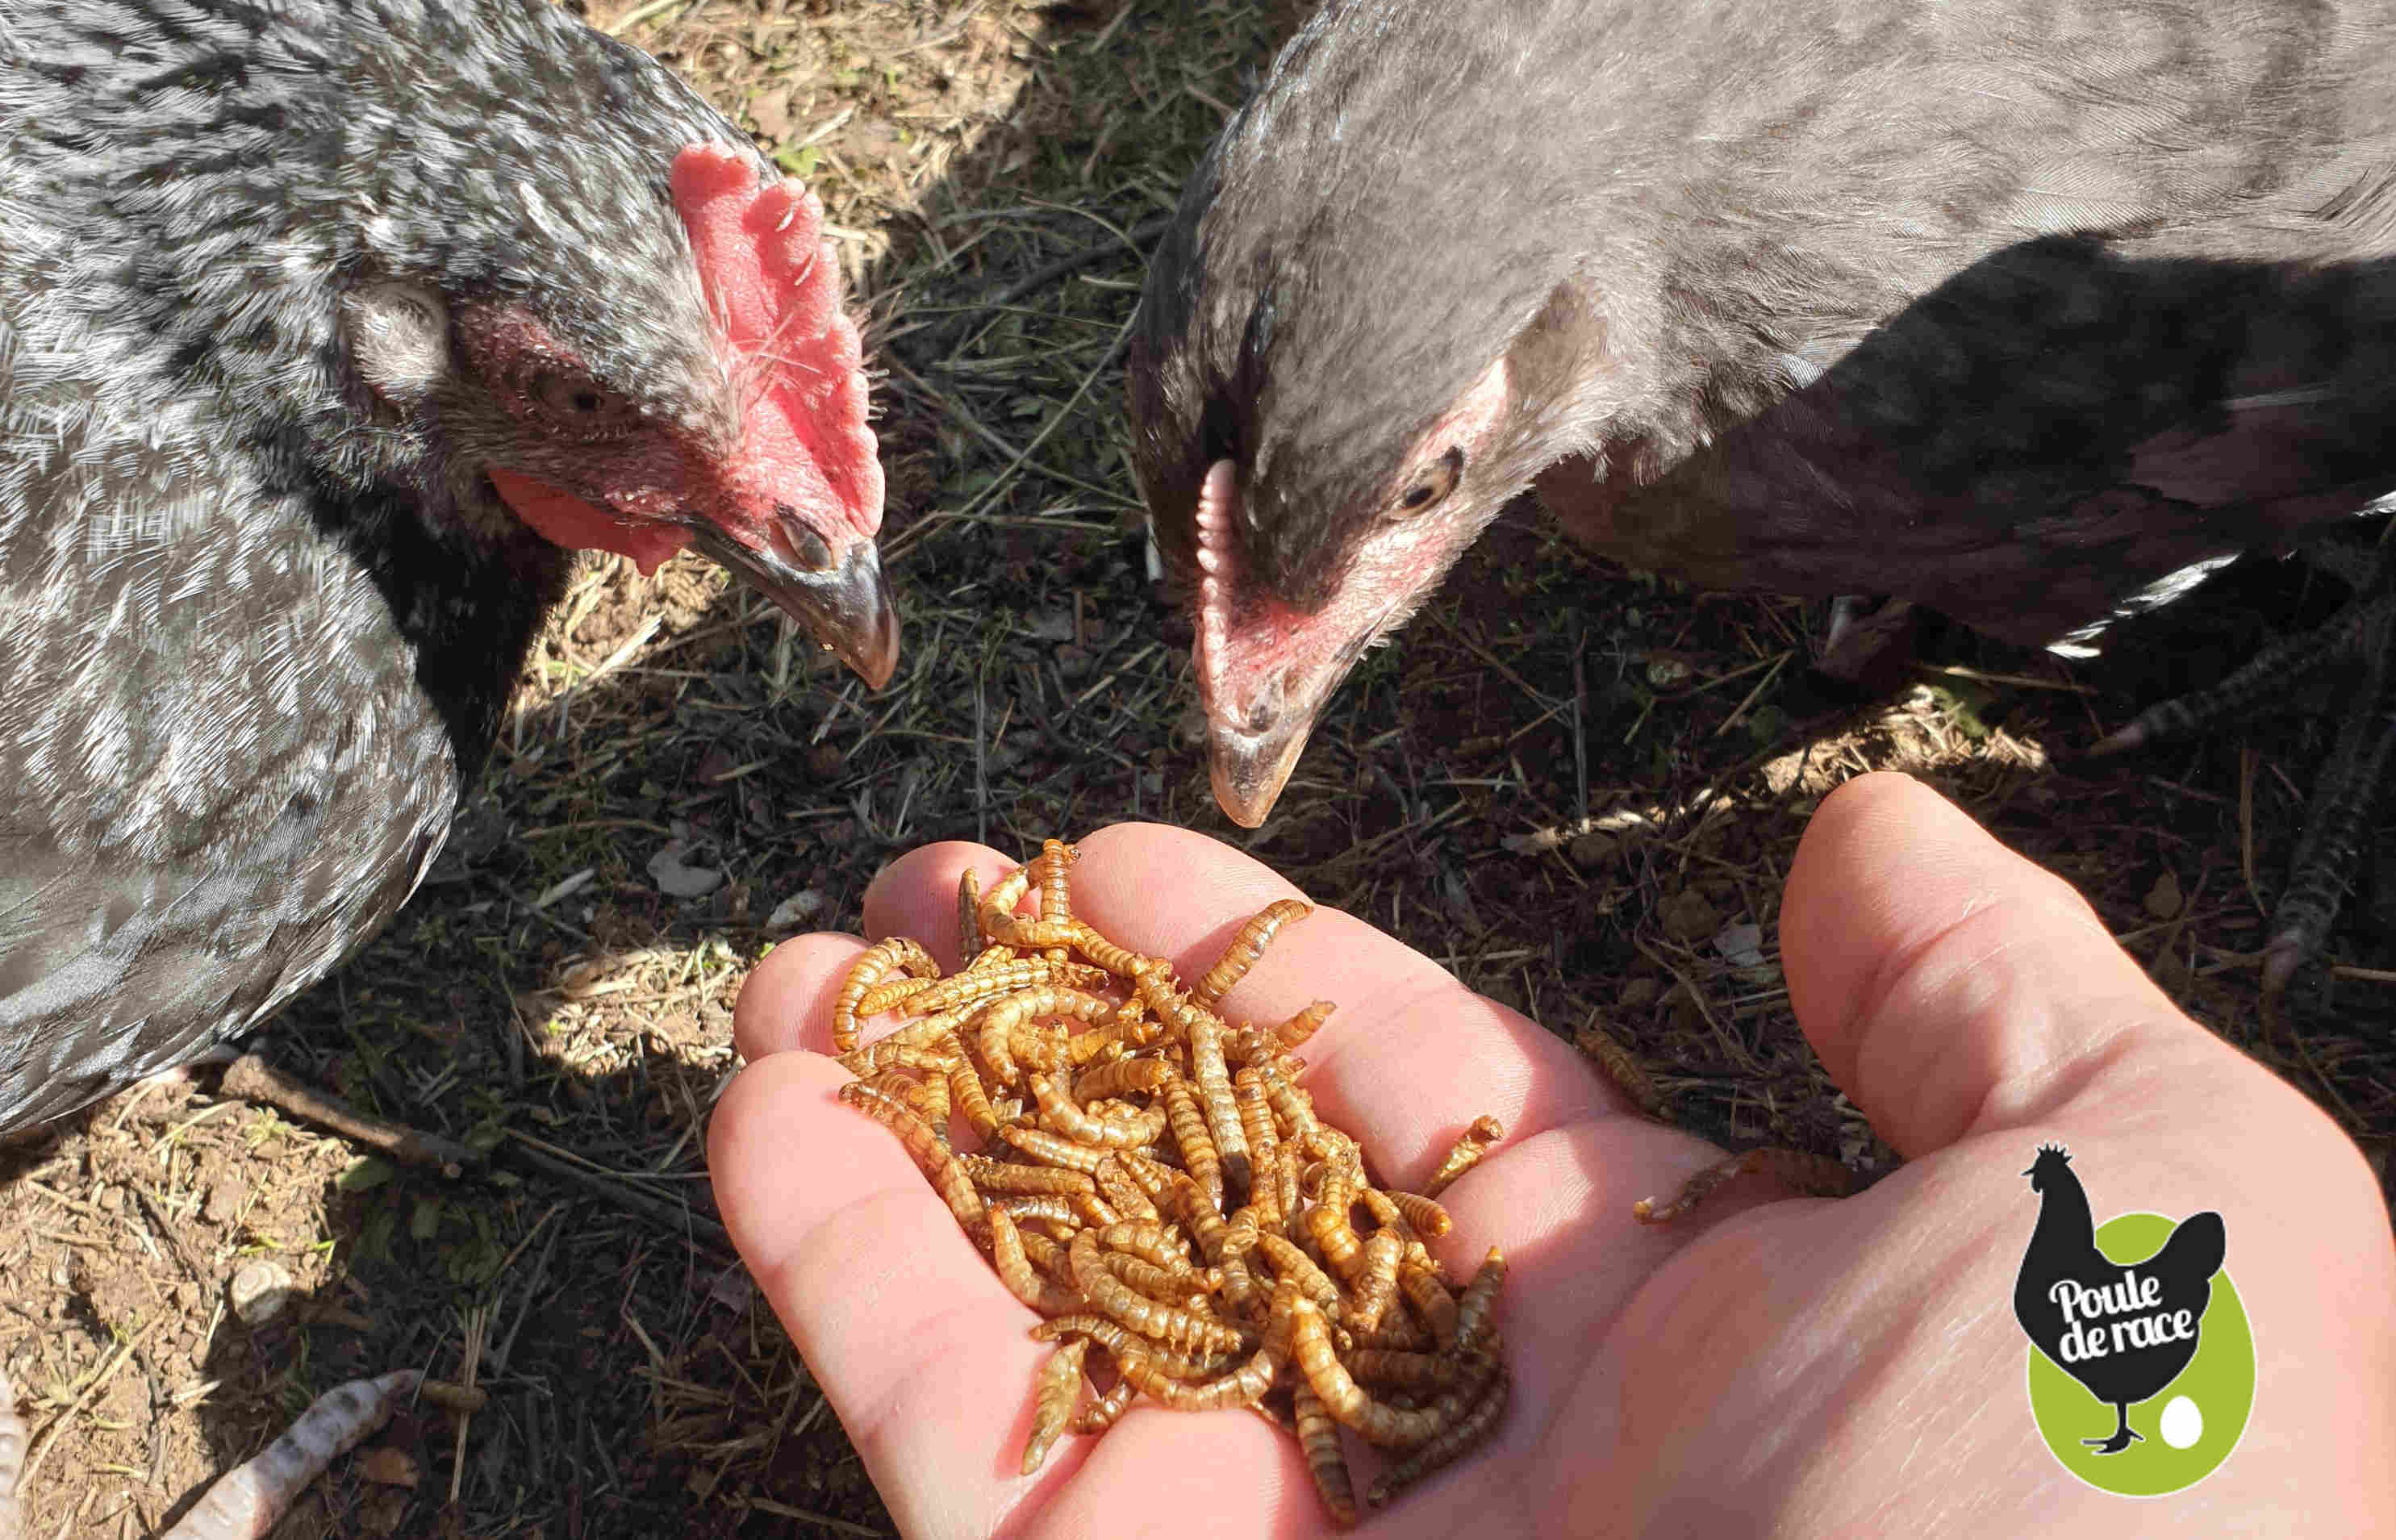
(1429, 489)
(578, 404)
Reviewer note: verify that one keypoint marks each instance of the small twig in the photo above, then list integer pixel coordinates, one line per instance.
(677, 1218)
(250, 1079)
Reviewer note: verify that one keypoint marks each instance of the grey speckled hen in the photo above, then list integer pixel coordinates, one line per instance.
(2030, 311)
(326, 327)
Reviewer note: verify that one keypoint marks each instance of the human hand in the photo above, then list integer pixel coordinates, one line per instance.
(1769, 1365)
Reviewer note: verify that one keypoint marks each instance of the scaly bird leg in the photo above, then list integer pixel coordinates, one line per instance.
(2347, 792)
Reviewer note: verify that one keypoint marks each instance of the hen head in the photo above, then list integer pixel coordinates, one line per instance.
(1346, 364)
(737, 425)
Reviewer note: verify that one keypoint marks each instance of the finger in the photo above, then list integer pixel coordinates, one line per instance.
(786, 1002)
(893, 1308)
(1950, 985)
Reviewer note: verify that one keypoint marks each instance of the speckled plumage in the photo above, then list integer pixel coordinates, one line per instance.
(2024, 308)
(257, 623)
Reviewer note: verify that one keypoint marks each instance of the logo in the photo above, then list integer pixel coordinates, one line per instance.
(2142, 1361)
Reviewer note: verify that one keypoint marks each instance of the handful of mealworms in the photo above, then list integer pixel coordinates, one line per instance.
(1124, 1122)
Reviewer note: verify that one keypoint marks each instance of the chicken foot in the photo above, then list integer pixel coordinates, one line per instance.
(2347, 792)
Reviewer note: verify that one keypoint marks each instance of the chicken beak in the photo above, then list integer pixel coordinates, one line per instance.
(1249, 769)
(848, 607)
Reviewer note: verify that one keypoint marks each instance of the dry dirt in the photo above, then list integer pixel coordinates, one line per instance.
(1569, 783)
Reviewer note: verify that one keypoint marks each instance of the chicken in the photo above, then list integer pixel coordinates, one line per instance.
(2031, 313)
(2122, 1332)
(328, 330)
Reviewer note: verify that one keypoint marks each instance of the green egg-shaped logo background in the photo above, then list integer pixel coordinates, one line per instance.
(2204, 1408)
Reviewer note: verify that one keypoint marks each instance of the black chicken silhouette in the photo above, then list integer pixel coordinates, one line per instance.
(2123, 1330)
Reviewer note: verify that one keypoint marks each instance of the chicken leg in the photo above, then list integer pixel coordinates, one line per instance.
(2121, 1437)
(2348, 792)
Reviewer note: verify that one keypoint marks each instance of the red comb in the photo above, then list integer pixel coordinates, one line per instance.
(774, 286)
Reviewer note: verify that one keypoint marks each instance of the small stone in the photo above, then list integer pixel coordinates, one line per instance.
(825, 761)
(261, 1290)
(1688, 915)
(112, 1198)
(1638, 994)
(2164, 900)
(387, 1464)
(226, 1196)
(1072, 663)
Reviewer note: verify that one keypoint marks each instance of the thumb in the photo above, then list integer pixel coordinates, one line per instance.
(1951, 986)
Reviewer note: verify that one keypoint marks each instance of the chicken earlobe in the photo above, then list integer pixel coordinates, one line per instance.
(398, 335)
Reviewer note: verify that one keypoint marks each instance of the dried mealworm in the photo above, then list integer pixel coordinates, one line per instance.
(1213, 1080)
(972, 1100)
(1292, 1106)
(1466, 1153)
(1480, 1296)
(1288, 1262)
(1052, 1400)
(968, 926)
(1375, 1284)
(1056, 859)
(889, 994)
(1429, 1295)
(1243, 1386)
(1117, 1188)
(929, 1099)
(896, 1052)
(1450, 1444)
(1815, 1175)
(1015, 1269)
(1375, 1421)
(1056, 1207)
(1001, 1019)
(247, 1500)
(1105, 1412)
(1125, 1077)
(1189, 1124)
(1170, 1325)
(1058, 1111)
(1047, 1256)
(1111, 1335)
(992, 1176)
(931, 1157)
(1131, 1027)
(1002, 897)
(1121, 961)
(1047, 1149)
(1147, 1239)
(1247, 946)
(1163, 1284)
(1318, 1434)
(1387, 1368)
(975, 985)
(1264, 1148)
(871, 966)
(1329, 1225)
(1425, 1217)
(1302, 1024)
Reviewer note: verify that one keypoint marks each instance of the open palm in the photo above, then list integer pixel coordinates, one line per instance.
(1774, 1364)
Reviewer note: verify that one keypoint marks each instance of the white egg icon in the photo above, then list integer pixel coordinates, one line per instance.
(2182, 1422)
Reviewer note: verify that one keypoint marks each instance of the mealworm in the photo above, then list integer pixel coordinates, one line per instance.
(1002, 897)
(1213, 1080)
(1125, 1077)
(1247, 945)
(1429, 1295)
(247, 1499)
(1466, 1153)
(931, 1157)
(1290, 1263)
(1243, 1386)
(1479, 1297)
(1450, 1444)
(1130, 1028)
(1816, 1176)
(1056, 859)
(1062, 1116)
(968, 926)
(1188, 1126)
(1103, 1413)
(1057, 1208)
(1047, 1149)
(1003, 1019)
(1329, 1226)
(1303, 1024)
(1059, 1388)
(1118, 1339)
(1292, 1106)
(1375, 1421)
(872, 965)
(1158, 1283)
(1121, 961)
(1117, 1188)
(972, 1100)
(1149, 1239)
(975, 985)
(1425, 1217)
(1318, 1435)
(1388, 1368)
(1375, 1284)
(992, 1176)
(1264, 1148)
(1015, 1269)
(1167, 1323)
(929, 1099)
